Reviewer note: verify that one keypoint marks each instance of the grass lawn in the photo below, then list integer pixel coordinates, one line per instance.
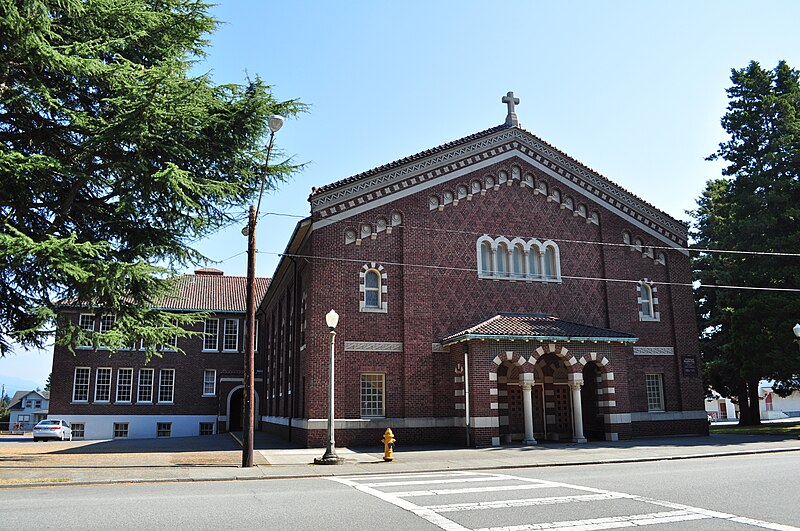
(776, 428)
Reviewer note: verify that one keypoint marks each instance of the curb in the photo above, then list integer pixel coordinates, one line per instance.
(263, 476)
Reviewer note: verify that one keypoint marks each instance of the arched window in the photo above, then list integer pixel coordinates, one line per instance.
(486, 259)
(372, 285)
(647, 301)
(552, 268)
(372, 289)
(549, 263)
(534, 262)
(518, 262)
(502, 259)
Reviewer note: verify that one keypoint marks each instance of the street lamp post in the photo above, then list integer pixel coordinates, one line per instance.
(330, 457)
(275, 123)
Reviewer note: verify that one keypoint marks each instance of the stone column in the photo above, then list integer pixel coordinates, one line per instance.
(577, 411)
(526, 380)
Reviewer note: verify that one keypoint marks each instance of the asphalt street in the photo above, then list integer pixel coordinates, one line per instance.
(730, 493)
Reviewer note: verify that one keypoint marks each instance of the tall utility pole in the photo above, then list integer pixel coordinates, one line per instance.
(275, 123)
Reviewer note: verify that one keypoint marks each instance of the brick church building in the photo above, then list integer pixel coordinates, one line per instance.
(491, 290)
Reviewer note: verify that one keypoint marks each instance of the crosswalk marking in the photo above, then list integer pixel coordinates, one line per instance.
(470, 490)
(529, 502)
(672, 513)
(609, 522)
(434, 481)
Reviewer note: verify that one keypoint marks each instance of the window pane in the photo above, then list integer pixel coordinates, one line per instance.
(550, 263)
(655, 392)
(145, 385)
(124, 381)
(211, 332)
(102, 385)
(210, 382)
(517, 261)
(486, 258)
(166, 385)
(372, 395)
(80, 390)
(231, 340)
(371, 279)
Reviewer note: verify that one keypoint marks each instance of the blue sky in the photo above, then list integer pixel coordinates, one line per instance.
(634, 90)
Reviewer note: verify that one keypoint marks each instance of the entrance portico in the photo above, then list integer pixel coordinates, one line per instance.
(536, 365)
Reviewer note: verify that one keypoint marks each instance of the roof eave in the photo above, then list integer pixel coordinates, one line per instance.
(511, 337)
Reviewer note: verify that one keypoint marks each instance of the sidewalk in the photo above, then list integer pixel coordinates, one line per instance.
(218, 458)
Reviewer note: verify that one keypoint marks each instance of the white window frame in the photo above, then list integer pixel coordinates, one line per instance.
(86, 324)
(168, 386)
(210, 379)
(106, 386)
(654, 385)
(226, 335)
(121, 386)
(209, 337)
(369, 406)
(532, 259)
(78, 430)
(139, 385)
(88, 373)
(200, 428)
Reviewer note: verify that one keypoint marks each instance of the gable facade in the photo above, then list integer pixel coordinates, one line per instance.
(413, 252)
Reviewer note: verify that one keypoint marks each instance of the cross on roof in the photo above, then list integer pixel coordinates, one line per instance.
(510, 100)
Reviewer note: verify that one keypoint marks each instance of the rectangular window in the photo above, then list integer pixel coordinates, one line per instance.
(124, 384)
(102, 385)
(145, 394)
(231, 336)
(78, 430)
(206, 428)
(172, 344)
(120, 430)
(209, 382)
(655, 392)
(372, 395)
(86, 323)
(211, 337)
(166, 386)
(80, 386)
(163, 429)
(23, 418)
(37, 404)
(107, 322)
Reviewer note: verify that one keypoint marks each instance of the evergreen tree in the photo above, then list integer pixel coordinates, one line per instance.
(747, 334)
(48, 382)
(114, 159)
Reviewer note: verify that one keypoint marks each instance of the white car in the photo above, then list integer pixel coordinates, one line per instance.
(52, 429)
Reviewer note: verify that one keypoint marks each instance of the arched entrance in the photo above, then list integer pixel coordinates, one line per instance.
(551, 379)
(517, 401)
(593, 420)
(236, 409)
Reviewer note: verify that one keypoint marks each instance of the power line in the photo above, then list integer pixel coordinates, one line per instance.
(565, 240)
(695, 284)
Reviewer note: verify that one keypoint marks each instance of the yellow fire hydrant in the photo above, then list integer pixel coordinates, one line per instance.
(388, 445)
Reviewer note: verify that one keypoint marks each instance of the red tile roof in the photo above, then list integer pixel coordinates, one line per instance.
(211, 292)
(535, 326)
